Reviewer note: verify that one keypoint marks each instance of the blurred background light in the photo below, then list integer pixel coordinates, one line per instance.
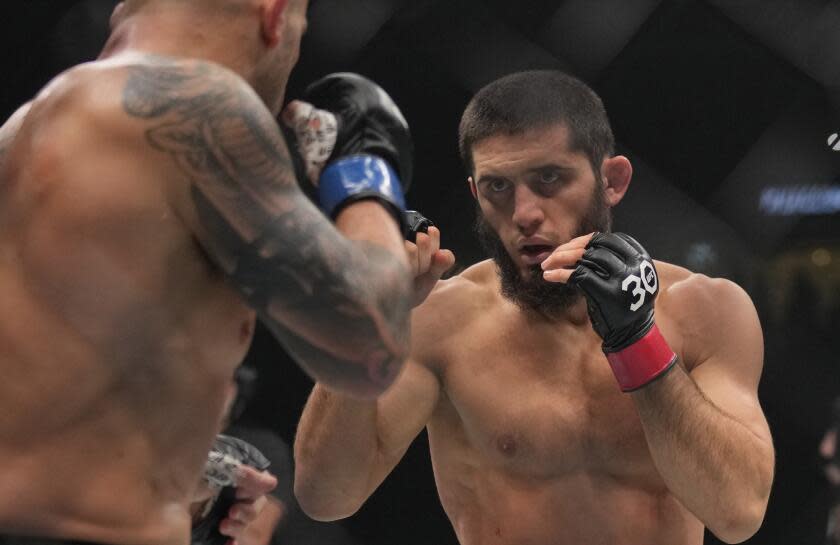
(821, 257)
(802, 200)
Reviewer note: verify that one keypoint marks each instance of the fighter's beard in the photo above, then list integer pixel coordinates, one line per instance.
(532, 292)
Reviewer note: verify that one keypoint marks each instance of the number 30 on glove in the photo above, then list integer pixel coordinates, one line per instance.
(619, 281)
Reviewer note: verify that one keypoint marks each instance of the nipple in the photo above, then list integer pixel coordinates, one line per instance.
(506, 445)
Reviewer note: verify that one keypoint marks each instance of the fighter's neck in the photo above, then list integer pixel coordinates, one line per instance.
(575, 314)
(152, 36)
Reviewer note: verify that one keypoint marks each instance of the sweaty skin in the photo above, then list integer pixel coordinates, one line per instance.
(118, 338)
(148, 211)
(532, 441)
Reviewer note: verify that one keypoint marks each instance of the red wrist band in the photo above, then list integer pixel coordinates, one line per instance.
(643, 361)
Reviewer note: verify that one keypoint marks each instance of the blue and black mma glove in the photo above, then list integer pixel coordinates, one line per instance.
(373, 153)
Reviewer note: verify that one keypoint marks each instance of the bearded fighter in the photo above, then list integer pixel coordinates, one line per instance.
(575, 391)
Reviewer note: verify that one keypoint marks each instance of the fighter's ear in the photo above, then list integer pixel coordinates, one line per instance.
(473, 189)
(616, 173)
(271, 14)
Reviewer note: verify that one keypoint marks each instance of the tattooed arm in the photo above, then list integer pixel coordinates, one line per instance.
(340, 306)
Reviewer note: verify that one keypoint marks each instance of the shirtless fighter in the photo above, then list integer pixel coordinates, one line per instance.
(148, 212)
(532, 440)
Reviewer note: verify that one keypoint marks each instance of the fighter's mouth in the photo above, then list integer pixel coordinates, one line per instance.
(535, 249)
(534, 254)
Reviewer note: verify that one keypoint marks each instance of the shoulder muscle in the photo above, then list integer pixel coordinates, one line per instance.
(446, 314)
(716, 318)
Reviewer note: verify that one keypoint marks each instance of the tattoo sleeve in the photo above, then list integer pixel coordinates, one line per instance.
(340, 307)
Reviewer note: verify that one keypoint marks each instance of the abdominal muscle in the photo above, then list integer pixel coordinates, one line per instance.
(489, 503)
(578, 509)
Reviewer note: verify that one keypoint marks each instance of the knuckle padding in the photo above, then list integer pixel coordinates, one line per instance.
(632, 242)
(606, 258)
(615, 243)
(367, 112)
(595, 265)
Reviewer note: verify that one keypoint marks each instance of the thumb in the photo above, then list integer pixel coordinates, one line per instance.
(295, 113)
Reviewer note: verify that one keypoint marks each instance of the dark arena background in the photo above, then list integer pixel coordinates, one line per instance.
(725, 107)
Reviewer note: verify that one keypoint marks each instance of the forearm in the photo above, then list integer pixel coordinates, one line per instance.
(350, 331)
(336, 449)
(369, 221)
(714, 464)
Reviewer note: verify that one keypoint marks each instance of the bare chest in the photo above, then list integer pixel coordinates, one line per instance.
(544, 407)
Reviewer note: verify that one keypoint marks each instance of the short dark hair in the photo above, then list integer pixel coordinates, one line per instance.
(533, 100)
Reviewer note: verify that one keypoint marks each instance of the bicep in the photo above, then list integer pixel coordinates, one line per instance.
(730, 354)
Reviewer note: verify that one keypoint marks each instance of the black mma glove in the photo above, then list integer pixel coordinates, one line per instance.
(619, 281)
(364, 136)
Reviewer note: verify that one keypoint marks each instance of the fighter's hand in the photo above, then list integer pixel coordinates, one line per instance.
(251, 489)
(234, 482)
(315, 133)
(372, 153)
(620, 284)
(428, 262)
(560, 265)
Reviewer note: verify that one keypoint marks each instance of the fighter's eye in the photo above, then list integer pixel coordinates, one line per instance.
(498, 185)
(549, 176)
